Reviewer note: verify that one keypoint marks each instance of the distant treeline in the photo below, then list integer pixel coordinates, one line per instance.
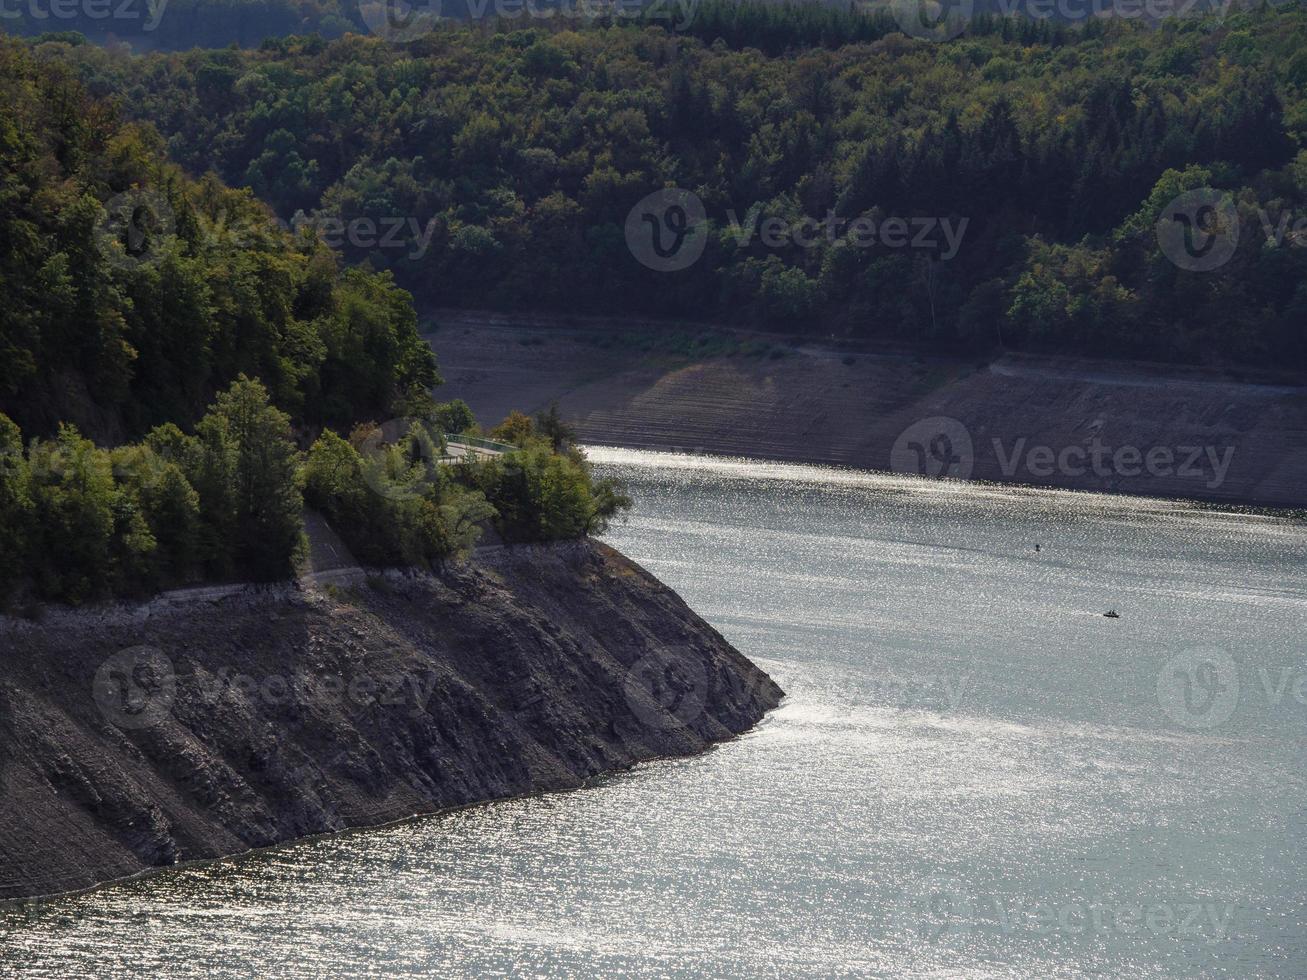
(773, 26)
(507, 162)
(178, 25)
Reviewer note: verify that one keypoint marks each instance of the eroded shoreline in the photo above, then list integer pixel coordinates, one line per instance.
(137, 738)
(1132, 428)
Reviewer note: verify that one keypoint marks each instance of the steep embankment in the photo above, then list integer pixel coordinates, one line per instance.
(138, 737)
(1214, 436)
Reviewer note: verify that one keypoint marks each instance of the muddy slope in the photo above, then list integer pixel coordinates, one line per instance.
(138, 737)
(659, 386)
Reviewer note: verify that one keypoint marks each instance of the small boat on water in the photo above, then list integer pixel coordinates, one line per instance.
(1112, 614)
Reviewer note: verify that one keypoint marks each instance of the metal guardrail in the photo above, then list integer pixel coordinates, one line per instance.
(478, 443)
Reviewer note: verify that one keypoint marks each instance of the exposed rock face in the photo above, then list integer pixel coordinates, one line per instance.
(134, 737)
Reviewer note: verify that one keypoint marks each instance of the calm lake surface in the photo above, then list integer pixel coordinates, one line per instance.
(974, 773)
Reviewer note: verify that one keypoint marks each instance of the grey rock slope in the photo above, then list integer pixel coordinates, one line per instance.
(1212, 436)
(138, 737)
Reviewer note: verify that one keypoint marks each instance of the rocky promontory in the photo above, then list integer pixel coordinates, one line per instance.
(140, 736)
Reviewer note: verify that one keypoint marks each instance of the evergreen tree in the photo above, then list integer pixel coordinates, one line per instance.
(15, 508)
(253, 474)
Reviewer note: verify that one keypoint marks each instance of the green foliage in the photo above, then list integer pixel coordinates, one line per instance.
(608, 501)
(393, 503)
(165, 512)
(252, 480)
(206, 295)
(78, 511)
(396, 501)
(522, 152)
(81, 522)
(550, 425)
(541, 495)
(151, 318)
(454, 417)
(15, 507)
(92, 522)
(517, 429)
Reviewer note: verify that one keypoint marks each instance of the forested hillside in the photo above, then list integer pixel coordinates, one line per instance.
(135, 302)
(508, 159)
(208, 287)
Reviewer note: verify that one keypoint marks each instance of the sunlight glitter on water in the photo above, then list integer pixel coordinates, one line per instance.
(974, 773)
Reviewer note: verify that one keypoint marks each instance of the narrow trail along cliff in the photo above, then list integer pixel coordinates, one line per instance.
(137, 737)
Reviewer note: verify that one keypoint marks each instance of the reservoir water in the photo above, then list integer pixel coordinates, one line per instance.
(975, 773)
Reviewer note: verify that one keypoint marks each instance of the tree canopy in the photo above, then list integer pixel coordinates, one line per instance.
(131, 293)
(517, 150)
(140, 304)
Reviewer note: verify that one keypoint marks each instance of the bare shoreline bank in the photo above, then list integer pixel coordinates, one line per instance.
(1025, 420)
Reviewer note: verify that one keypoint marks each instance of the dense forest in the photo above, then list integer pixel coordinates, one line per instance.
(118, 343)
(184, 364)
(774, 26)
(506, 161)
(202, 364)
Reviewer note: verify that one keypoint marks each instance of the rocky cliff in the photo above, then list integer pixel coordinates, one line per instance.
(199, 726)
